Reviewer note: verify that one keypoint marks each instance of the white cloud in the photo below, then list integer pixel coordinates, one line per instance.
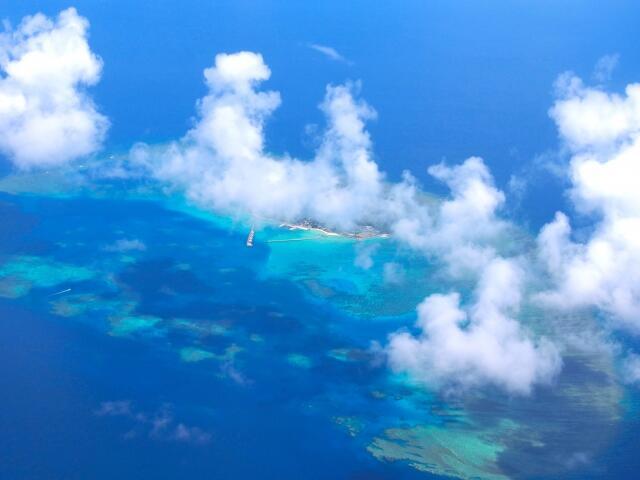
(463, 229)
(364, 255)
(602, 131)
(126, 245)
(221, 162)
(605, 67)
(159, 425)
(46, 118)
(328, 52)
(482, 344)
(631, 369)
(590, 118)
(393, 273)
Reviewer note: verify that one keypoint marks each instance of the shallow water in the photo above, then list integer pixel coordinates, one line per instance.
(142, 339)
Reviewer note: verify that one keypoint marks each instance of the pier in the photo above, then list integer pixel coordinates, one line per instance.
(252, 233)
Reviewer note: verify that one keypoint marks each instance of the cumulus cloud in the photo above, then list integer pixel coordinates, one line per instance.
(158, 425)
(602, 132)
(631, 369)
(46, 118)
(126, 245)
(328, 52)
(483, 344)
(393, 273)
(364, 255)
(465, 229)
(114, 408)
(460, 348)
(592, 120)
(605, 67)
(229, 370)
(221, 162)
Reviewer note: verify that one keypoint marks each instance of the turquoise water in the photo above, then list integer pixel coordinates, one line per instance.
(182, 342)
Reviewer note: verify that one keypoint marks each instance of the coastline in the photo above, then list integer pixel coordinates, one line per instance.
(367, 232)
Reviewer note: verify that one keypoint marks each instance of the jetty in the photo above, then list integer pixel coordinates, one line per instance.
(252, 233)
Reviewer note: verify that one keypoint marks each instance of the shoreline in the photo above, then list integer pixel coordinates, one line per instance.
(369, 231)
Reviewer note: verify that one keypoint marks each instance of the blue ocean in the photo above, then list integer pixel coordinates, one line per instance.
(198, 356)
(141, 339)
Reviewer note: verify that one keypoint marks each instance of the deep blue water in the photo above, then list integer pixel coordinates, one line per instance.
(53, 378)
(57, 371)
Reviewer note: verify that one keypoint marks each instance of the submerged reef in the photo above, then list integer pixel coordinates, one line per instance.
(294, 321)
(20, 274)
(442, 451)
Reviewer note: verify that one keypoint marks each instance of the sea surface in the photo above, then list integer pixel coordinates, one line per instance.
(141, 338)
